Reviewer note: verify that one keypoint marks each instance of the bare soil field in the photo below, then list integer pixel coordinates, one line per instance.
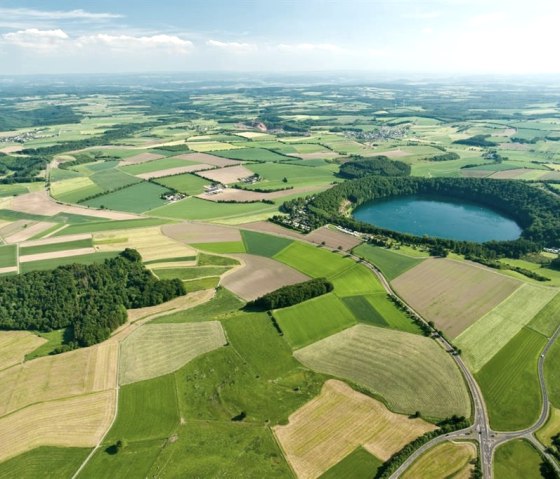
(34, 229)
(273, 228)
(453, 294)
(75, 422)
(227, 175)
(55, 254)
(157, 349)
(328, 428)
(8, 269)
(140, 158)
(208, 159)
(201, 233)
(40, 203)
(259, 275)
(174, 171)
(333, 238)
(14, 345)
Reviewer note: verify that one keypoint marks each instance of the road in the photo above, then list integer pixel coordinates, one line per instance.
(480, 431)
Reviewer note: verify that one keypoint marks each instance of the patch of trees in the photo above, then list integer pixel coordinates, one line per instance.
(359, 167)
(454, 423)
(13, 118)
(292, 294)
(90, 300)
(477, 140)
(21, 169)
(555, 264)
(497, 265)
(445, 157)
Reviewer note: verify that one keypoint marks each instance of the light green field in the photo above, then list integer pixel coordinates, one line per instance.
(546, 272)
(53, 247)
(391, 263)
(354, 281)
(552, 374)
(44, 462)
(510, 385)
(12, 190)
(262, 244)
(75, 189)
(358, 465)
(446, 460)
(221, 248)
(189, 273)
(410, 372)
(206, 146)
(517, 460)
(312, 260)
(252, 154)
(548, 318)
(55, 262)
(8, 256)
(54, 340)
(134, 199)
(97, 226)
(313, 320)
(210, 282)
(185, 183)
(112, 179)
(482, 340)
(214, 260)
(158, 349)
(274, 174)
(156, 165)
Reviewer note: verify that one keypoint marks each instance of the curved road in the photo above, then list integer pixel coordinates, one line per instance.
(480, 430)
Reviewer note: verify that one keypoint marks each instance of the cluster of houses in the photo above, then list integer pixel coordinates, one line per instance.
(214, 188)
(251, 180)
(552, 250)
(173, 196)
(23, 137)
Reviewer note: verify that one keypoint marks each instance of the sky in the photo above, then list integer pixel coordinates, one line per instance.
(401, 36)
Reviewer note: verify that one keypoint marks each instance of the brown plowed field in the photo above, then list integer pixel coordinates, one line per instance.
(333, 238)
(201, 233)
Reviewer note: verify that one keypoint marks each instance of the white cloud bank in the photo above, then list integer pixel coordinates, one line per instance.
(30, 14)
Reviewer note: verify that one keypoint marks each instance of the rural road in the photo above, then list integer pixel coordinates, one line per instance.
(480, 431)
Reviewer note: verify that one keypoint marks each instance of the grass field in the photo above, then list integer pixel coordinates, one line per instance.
(188, 273)
(552, 374)
(450, 459)
(213, 260)
(8, 256)
(355, 280)
(359, 464)
(399, 367)
(15, 345)
(53, 247)
(391, 263)
(517, 460)
(112, 179)
(486, 337)
(453, 294)
(252, 154)
(53, 339)
(331, 426)
(44, 462)
(133, 199)
(156, 165)
(312, 260)
(547, 319)
(378, 310)
(97, 226)
(274, 174)
(550, 429)
(262, 244)
(45, 264)
(510, 384)
(185, 183)
(313, 320)
(158, 349)
(210, 282)
(221, 248)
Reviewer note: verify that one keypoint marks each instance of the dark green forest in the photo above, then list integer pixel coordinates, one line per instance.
(359, 167)
(292, 294)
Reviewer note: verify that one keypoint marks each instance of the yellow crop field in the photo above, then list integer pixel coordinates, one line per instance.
(450, 459)
(157, 349)
(328, 428)
(73, 184)
(14, 345)
(151, 243)
(75, 422)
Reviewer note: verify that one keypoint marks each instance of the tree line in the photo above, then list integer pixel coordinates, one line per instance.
(358, 167)
(292, 294)
(90, 300)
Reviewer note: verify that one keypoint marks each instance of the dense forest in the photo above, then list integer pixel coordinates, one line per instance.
(13, 118)
(292, 294)
(21, 169)
(90, 300)
(359, 167)
(536, 211)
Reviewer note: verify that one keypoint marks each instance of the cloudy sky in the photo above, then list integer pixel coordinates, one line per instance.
(416, 36)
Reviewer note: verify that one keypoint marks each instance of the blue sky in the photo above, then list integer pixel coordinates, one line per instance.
(400, 36)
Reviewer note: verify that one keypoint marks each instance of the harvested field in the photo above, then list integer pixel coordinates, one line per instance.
(208, 159)
(273, 228)
(173, 171)
(319, 155)
(55, 240)
(50, 378)
(201, 233)
(151, 243)
(55, 254)
(509, 174)
(330, 427)
(333, 238)
(474, 173)
(486, 337)
(411, 372)
(14, 345)
(394, 153)
(450, 459)
(29, 232)
(258, 276)
(140, 158)
(157, 349)
(75, 422)
(233, 194)
(228, 175)
(40, 203)
(453, 294)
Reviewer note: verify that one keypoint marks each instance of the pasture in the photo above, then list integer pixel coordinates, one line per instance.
(52, 263)
(262, 244)
(49, 247)
(359, 464)
(356, 280)
(158, 349)
(137, 198)
(185, 183)
(390, 262)
(552, 374)
(449, 459)
(327, 429)
(313, 320)
(399, 367)
(453, 294)
(486, 337)
(44, 462)
(156, 165)
(253, 154)
(516, 460)
(8, 256)
(550, 429)
(547, 319)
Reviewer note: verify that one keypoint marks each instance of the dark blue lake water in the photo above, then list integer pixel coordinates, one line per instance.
(441, 217)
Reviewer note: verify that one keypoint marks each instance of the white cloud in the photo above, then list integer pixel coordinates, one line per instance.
(235, 47)
(28, 13)
(36, 39)
(167, 43)
(310, 48)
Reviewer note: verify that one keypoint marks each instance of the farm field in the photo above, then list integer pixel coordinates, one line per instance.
(188, 273)
(355, 280)
(450, 459)
(14, 345)
(313, 320)
(436, 289)
(552, 374)
(185, 183)
(156, 165)
(359, 464)
(481, 341)
(516, 460)
(391, 263)
(46, 462)
(158, 349)
(55, 247)
(133, 199)
(548, 318)
(262, 244)
(8, 256)
(391, 364)
(52, 263)
(331, 426)
(201, 233)
(550, 429)
(333, 238)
